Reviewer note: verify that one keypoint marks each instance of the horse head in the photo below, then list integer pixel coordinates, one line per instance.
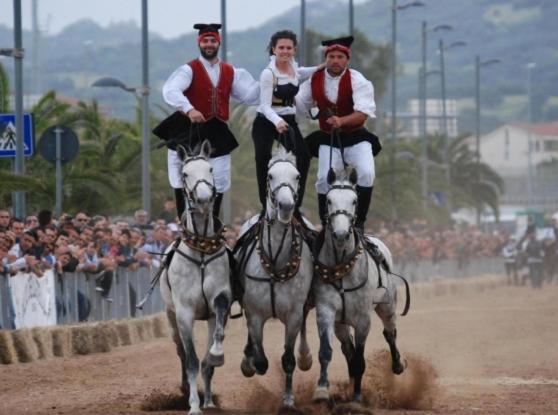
(341, 203)
(282, 185)
(197, 177)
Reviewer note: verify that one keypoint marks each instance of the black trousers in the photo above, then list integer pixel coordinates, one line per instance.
(264, 134)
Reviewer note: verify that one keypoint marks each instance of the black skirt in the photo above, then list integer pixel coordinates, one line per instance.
(319, 137)
(177, 129)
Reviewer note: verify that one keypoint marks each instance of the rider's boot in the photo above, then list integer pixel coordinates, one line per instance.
(322, 208)
(217, 210)
(364, 197)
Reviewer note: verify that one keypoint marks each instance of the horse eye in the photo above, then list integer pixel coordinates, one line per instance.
(270, 177)
(211, 169)
(329, 201)
(298, 176)
(184, 175)
(354, 202)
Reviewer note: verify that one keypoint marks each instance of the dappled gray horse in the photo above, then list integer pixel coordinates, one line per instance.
(275, 267)
(196, 284)
(348, 286)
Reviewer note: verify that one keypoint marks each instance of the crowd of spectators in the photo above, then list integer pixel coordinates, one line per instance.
(94, 244)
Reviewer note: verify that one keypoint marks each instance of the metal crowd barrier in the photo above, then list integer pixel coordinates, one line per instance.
(78, 297)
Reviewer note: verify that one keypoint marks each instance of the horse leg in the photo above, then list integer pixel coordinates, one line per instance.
(247, 365)
(386, 312)
(207, 368)
(221, 305)
(304, 359)
(342, 332)
(185, 320)
(325, 320)
(292, 327)
(255, 330)
(171, 315)
(358, 363)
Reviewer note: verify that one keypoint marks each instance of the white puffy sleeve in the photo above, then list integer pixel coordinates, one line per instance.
(245, 89)
(303, 99)
(173, 88)
(363, 94)
(266, 95)
(305, 72)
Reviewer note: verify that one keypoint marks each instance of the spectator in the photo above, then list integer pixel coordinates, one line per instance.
(17, 227)
(168, 214)
(142, 221)
(80, 221)
(45, 218)
(125, 254)
(4, 220)
(31, 222)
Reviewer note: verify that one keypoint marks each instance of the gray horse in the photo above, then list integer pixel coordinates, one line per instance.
(196, 284)
(275, 267)
(348, 286)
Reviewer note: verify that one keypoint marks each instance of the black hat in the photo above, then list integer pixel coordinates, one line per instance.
(207, 27)
(342, 41)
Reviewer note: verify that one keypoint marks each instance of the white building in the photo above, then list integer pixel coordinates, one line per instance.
(506, 150)
(434, 117)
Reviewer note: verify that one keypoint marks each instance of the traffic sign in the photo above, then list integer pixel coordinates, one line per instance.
(69, 144)
(8, 135)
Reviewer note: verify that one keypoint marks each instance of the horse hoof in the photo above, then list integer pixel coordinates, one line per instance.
(195, 411)
(321, 394)
(261, 366)
(209, 405)
(398, 368)
(357, 398)
(215, 360)
(247, 368)
(288, 401)
(304, 362)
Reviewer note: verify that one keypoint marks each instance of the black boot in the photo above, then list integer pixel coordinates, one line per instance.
(180, 203)
(364, 196)
(322, 208)
(217, 210)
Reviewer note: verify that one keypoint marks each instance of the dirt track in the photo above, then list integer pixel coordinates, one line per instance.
(494, 351)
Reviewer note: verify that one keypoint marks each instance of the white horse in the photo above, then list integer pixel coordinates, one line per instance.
(348, 286)
(196, 284)
(275, 267)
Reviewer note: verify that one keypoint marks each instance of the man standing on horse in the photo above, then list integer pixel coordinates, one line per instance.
(345, 99)
(200, 91)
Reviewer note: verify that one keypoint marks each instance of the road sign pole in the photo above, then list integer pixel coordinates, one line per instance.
(58, 132)
(19, 169)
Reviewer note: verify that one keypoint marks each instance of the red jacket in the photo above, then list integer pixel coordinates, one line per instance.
(344, 104)
(212, 102)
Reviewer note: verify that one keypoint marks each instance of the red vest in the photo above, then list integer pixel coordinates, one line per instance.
(212, 102)
(344, 104)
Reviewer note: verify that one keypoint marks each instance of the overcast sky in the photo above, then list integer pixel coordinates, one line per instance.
(169, 18)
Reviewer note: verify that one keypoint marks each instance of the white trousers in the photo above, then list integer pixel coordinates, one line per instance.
(359, 156)
(221, 171)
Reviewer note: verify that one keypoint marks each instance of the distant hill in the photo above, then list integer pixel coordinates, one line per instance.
(515, 31)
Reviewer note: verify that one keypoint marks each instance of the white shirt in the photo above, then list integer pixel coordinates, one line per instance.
(273, 113)
(363, 93)
(245, 89)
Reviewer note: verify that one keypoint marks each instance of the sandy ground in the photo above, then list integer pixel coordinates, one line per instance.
(470, 351)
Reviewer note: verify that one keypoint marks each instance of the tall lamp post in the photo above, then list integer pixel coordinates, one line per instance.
(530, 67)
(351, 18)
(422, 109)
(394, 9)
(19, 167)
(140, 93)
(478, 65)
(144, 91)
(441, 49)
(302, 53)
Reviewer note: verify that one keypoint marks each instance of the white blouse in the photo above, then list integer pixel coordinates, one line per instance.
(363, 93)
(245, 89)
(273, 113)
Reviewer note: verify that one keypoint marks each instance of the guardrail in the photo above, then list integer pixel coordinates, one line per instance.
(78, 297)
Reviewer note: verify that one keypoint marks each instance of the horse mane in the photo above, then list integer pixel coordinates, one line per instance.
(281, 153)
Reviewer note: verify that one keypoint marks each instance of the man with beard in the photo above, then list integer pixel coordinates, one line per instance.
(200, 91)
(345, 99)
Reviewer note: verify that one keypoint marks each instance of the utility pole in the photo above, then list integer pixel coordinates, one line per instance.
(19, 167)
(146, 149)
(302, 50)
(351, 18)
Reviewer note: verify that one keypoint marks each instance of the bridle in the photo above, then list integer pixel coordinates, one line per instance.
(337, 212)
(273, 192)
(190, 192)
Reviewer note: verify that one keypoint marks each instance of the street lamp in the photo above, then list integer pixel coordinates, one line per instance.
(140, 92)
(478, 65)
(530, 66)
(394, 9)
(441, 50)
(422, 99)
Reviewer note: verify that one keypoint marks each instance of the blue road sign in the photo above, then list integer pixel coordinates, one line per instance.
(8, 135)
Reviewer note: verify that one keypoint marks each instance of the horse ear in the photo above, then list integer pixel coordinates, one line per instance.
(331, 176)
(182, 153)
(353, 177)
(205, 149)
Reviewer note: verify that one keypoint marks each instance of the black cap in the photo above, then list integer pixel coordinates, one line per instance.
(343, 41)
(207, 27)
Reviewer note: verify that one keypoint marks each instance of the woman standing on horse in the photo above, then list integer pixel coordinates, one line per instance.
(279, 83)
